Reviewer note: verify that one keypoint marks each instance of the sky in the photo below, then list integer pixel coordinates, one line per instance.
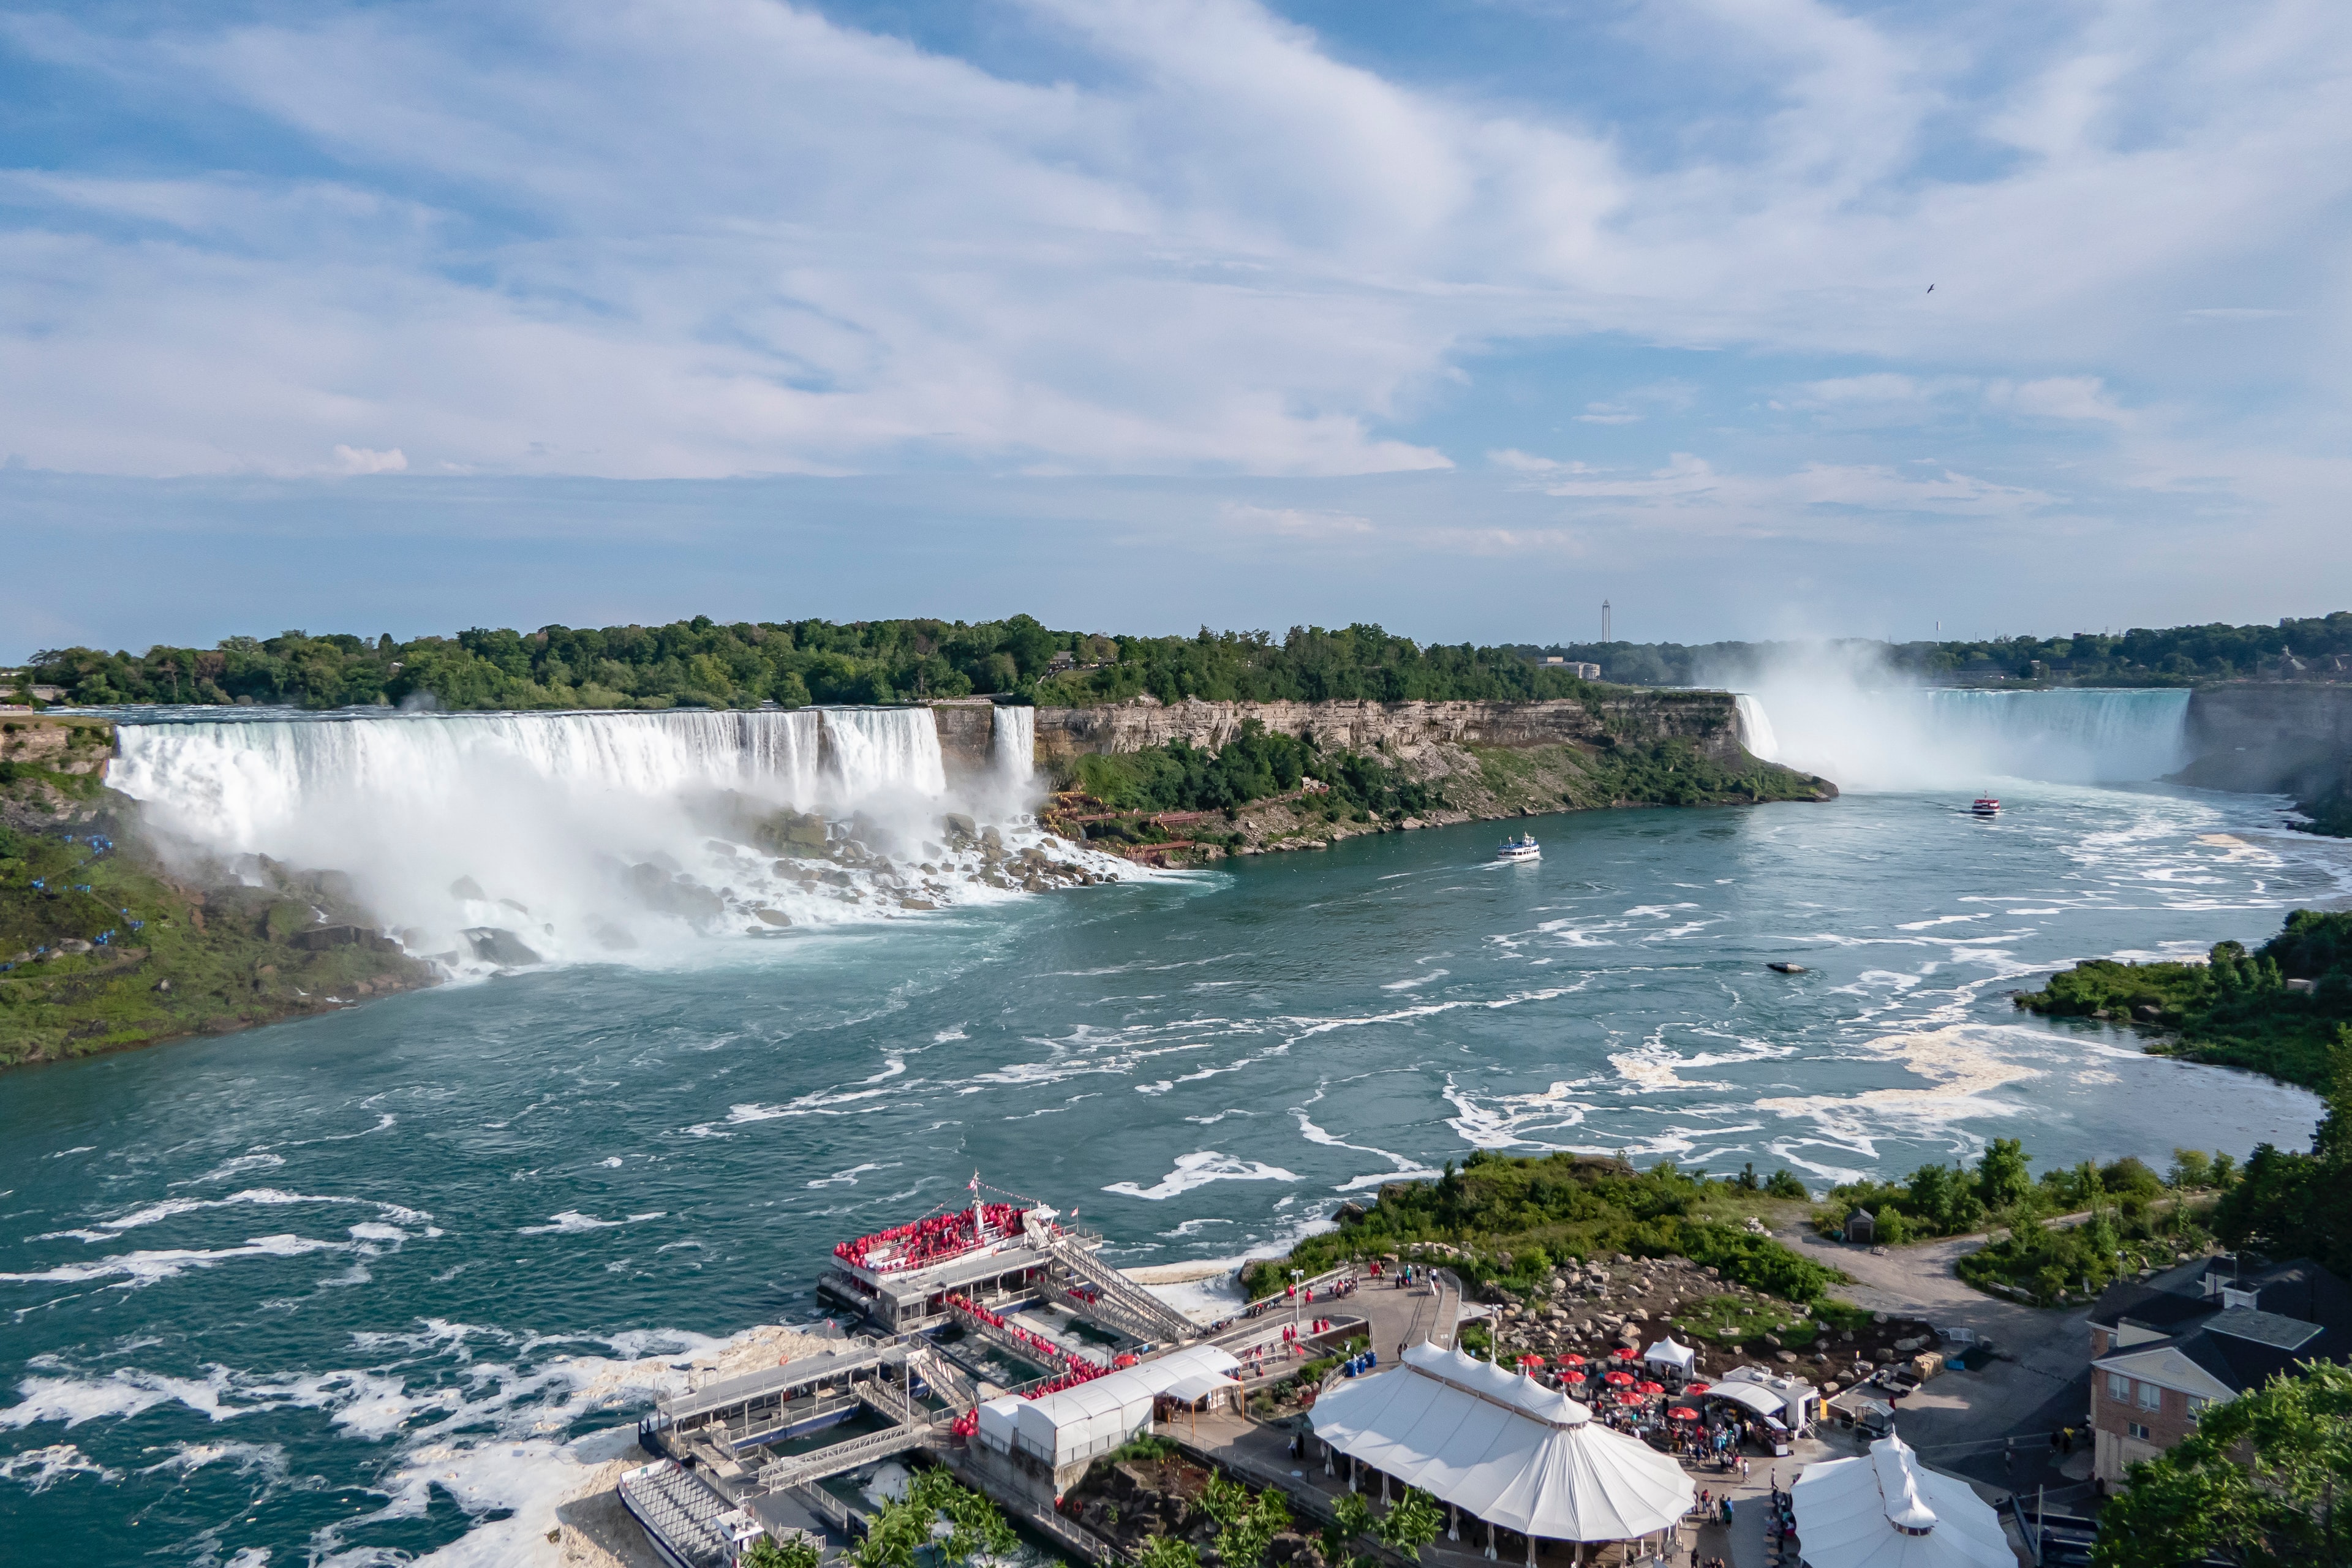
(1138, 315)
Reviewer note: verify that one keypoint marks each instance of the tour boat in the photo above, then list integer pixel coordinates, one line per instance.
(1523, 847)
(1986, 806)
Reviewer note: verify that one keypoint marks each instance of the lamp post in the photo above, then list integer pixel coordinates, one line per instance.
(1296, 1276)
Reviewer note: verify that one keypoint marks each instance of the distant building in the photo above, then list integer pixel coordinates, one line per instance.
(1561, 661)
(2163, 1349)
(1861, 1227)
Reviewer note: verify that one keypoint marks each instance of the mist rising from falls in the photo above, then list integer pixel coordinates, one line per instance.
(595, 834)
(1863, 729)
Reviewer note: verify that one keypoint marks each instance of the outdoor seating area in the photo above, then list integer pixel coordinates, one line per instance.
(1653, 1395)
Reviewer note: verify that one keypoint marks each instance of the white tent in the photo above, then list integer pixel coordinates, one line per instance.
(1666, 1353)
(1099, 1415)
(1887, 1510)
(1504, 1448)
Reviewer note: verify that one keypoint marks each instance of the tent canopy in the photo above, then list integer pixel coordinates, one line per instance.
(1504, 1448)
(1763, 1401)
(1666, 1353)
(1888, 1510)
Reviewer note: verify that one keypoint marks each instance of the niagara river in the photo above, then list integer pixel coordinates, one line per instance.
(378, 1284)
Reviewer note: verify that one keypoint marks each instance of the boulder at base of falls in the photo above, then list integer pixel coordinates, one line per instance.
(318, 938)
(773, 917)
(467, 888)
(493, 944)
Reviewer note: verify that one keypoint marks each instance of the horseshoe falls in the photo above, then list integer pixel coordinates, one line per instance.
(1897, 738)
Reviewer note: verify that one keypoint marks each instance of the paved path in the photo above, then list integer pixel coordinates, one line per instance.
(1963, 1421)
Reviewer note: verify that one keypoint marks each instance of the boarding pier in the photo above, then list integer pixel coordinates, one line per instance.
(994, 1339)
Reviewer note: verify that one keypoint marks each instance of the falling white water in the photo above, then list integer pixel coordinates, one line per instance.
(875, 750)
(1905, 738)
(1756, 729)
(1012, 745)
(582, 834)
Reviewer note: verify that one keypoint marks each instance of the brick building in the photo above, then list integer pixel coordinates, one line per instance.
(2164, 1348)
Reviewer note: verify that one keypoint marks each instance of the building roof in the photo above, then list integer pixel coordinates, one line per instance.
(1504, 1448)
(1887, 1510)
(2299, 1312)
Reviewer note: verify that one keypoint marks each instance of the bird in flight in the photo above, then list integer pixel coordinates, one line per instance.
(1931, 288)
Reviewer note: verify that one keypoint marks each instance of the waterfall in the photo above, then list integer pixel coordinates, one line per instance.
(873, 750)
(1012, 745)
(1756, 729)
(1866, 737)
(581, 832)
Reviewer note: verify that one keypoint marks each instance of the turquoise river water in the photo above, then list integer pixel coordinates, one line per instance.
(371, 1285)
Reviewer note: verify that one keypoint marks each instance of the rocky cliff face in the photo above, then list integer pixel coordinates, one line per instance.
(966, 724)
(1708, 720)
(2272, 737)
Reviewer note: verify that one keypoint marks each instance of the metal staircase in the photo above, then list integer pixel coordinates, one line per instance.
(1118, 1301)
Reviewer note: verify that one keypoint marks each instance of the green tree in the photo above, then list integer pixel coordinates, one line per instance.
(1353, 1516)
(2001, 1180)
(2190, 1170)
(1410, 1525)
(1164, 1552)
(799, 1552)
(2202, 1498)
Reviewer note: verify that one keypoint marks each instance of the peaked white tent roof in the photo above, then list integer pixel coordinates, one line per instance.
(1504, 1448)
(1887, 1510)
(1666, 1353)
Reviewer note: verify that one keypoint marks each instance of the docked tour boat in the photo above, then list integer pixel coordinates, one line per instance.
(1986, 806)
(1523, 847)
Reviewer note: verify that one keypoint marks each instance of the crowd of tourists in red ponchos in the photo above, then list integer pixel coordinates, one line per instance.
(932, 1240)
(1075, 1369)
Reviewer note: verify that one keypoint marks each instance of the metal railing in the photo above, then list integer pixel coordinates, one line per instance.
(1159, 1319)
(853, 1454)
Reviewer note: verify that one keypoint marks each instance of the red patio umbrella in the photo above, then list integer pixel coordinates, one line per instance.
(1683, 1413)
(1619, 1379)
(1531, 1360)
(1629, 1399)
(1567, 1360)
(1622, 1353)
(1650, 1388)
(1695, 1388)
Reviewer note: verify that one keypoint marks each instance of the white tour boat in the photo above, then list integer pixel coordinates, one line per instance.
(1523, 847)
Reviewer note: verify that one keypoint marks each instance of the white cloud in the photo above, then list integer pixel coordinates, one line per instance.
(2079, 397)
(365, 461)
(1816, 498)
(1294, 522)
(1208, 246)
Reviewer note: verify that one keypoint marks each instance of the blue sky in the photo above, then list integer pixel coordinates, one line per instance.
(1461, 315)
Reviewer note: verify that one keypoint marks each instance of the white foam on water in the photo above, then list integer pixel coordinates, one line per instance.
(170, 1208)
(38, 1470)
(235, 1167)
(568, 1223)
(132, 1270)
(1198, 1170)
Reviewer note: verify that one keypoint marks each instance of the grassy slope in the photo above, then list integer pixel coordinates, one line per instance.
(1509, 1219)
(1465, 783)
(181, 960)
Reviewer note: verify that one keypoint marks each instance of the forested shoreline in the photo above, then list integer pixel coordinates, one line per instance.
(701, 663)
(705, 663)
